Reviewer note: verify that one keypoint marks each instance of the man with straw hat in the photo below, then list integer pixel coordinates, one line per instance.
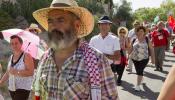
(71, 70)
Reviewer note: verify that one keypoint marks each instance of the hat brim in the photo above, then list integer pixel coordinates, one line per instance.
(87, 19)
(104, 21)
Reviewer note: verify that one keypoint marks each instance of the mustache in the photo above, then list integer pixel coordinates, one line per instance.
(56, 34)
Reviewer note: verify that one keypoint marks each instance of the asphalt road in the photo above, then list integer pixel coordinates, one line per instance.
(152, 82)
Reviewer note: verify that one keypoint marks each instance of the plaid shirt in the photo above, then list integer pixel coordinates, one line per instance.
(71, 82)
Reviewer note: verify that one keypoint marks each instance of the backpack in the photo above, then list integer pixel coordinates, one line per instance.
(147, 41)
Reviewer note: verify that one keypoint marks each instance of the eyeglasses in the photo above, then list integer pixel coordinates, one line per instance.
(122, 32)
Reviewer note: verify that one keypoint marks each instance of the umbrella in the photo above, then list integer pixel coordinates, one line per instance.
(30, 41)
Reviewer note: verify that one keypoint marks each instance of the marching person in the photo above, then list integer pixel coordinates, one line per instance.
(107, 42)
(71, 70)
(34, 28)
(19, 72)
(139, 53)
(160, 38)
(124, 44)
(132, 35)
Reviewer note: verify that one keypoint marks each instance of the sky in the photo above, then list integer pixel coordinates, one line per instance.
(135, 4)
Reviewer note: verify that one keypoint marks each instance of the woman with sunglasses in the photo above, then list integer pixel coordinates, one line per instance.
(120, 64)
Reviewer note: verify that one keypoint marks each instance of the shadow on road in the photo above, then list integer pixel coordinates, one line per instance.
(150, 95)
(165, 65)
(169, 60)
(170, 56)
(154, 76)
(146, 93)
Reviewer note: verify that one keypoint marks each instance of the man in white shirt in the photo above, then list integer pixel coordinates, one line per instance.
(132, 36)
(105, 41)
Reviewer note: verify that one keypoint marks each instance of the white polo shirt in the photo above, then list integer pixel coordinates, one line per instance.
(108, 45)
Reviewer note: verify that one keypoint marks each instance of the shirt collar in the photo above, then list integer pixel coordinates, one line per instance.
(109, 33)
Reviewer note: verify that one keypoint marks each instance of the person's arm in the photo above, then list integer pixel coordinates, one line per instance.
(127, 43)
(168, 88)
(151, 51)
(29, 67)
(115, 56)
(5, 77)
(130, 48)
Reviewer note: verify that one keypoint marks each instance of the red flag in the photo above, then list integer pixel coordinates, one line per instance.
(171, 21)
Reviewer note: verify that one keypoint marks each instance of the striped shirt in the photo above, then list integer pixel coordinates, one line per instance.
(72, 81)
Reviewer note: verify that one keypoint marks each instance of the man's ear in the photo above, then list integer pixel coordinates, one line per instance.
(77, 24)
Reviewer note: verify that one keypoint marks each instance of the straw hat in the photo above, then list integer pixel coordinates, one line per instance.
(104, 19)
(35, 26)
(86, 18)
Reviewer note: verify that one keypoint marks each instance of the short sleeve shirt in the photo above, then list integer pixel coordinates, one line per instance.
(107, 45)
(159, 38)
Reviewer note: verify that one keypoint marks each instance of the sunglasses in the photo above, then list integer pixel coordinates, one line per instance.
(33, 30)
(122, 32)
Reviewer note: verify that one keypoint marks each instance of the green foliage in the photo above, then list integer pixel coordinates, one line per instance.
(5, 20)
(148, 14)
(27, 7)
(168, 6)
(12, 9)
(24, 8)
(92, 5)
(123, 13)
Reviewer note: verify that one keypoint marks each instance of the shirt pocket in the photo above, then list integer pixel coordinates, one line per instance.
(76, 88)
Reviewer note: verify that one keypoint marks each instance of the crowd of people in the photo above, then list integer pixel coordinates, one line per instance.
(73, 69)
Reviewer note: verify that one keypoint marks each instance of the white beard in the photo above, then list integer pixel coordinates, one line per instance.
(62, 44)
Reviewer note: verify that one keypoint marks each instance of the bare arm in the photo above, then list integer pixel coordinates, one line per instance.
(128, 43)
(29, 67)
(115, 56)
(168, 88)
(151, 51)
(5, 77)
(130, 48)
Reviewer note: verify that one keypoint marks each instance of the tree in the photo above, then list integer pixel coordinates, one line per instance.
(168, 6)
(27, 7)
(93, 6)
(148, 14)
(123, 13)
(24, 8)
(12, 9)
(6, 21)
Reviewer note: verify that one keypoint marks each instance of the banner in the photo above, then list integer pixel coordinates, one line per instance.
(156, 19)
